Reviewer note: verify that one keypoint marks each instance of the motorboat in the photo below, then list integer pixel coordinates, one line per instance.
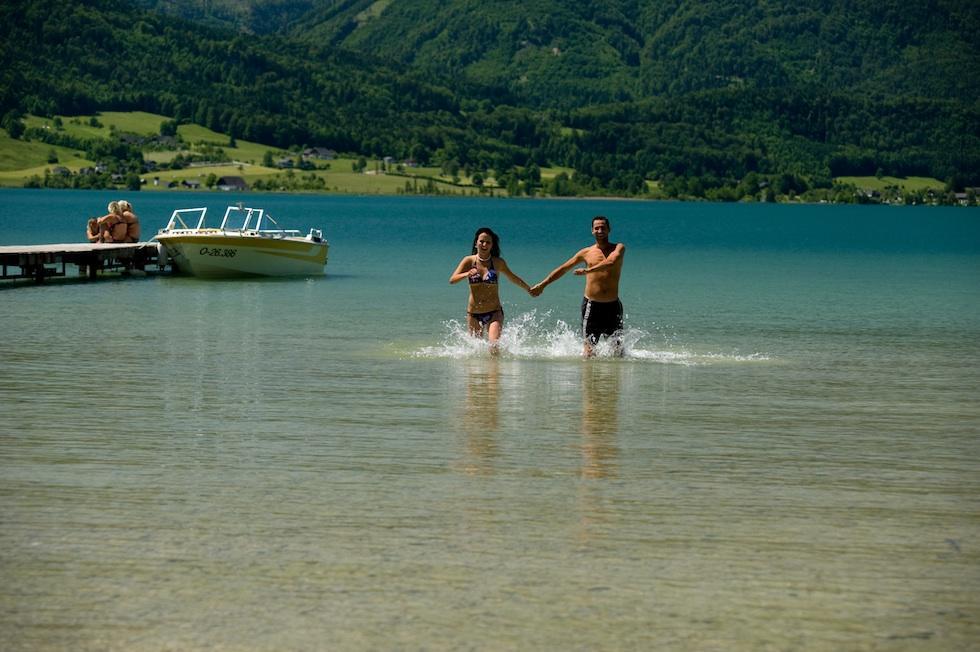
(243, 244)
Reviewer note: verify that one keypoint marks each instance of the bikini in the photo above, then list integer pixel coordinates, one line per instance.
(490, 278)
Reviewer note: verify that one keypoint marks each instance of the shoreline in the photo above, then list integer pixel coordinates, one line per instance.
(462, 195)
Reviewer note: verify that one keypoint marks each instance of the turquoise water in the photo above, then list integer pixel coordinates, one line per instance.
(788, 458)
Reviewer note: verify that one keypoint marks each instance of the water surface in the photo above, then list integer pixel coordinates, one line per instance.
(786, 459)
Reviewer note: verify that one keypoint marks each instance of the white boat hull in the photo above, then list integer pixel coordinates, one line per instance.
(223, 255)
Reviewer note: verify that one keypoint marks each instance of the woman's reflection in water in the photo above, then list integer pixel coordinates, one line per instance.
(481, 416)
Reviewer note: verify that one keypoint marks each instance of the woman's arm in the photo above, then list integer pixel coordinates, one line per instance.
(465, 269)
(514, 278)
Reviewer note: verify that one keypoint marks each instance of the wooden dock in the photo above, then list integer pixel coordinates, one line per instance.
(42, 261)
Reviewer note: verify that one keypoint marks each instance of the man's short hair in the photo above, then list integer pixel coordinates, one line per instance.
(603, 218)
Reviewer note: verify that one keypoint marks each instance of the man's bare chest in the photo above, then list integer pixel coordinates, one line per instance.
(595, 256)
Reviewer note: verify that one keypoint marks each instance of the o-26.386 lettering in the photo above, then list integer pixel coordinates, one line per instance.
(214, 251)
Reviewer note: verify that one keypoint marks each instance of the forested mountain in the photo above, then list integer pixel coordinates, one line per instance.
(556, 52)
(559, 53)
(65, 56)
(247, 16)
(698, 95)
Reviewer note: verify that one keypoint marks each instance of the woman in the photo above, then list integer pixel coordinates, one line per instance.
(109, 227)
(132, 222)
(482, 269)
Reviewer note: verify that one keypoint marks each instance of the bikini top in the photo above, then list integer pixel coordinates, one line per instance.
(489, 278)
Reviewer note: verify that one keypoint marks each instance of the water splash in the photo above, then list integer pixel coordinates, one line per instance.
(531, 335)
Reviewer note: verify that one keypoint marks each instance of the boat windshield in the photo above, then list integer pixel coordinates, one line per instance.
(237, 219)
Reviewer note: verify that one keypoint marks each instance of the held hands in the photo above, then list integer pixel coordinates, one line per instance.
(536, 290)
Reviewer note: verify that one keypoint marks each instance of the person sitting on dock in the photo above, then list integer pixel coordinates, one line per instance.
(130, 220)
(119, 227)
(92, 232)
(109, 223)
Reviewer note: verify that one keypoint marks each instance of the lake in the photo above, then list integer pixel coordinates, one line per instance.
(787, 458)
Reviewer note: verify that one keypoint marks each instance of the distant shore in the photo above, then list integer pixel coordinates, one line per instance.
(947, 199)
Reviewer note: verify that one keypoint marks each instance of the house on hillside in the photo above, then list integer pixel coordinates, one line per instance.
(968, 197)
(231, 183)
(321, 153)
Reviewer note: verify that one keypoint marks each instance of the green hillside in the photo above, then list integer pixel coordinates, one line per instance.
(553, 53)
(198, 157)
(717, 99)
(246, 16)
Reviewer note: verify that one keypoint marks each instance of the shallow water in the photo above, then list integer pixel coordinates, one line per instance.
(785, 459)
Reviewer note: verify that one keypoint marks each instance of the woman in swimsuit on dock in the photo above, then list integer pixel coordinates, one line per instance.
(482, 268)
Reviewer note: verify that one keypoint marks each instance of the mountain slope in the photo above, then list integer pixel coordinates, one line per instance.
(77, 57)
(696, 95)
(551, 53)
(246, 16)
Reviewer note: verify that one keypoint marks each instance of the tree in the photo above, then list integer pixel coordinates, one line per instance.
(12, 123)
(168, 128)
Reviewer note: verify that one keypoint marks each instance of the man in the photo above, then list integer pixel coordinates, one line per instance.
(602, 312)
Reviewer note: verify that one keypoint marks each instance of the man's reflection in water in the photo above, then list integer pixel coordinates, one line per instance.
(481, 416)
(601, 383)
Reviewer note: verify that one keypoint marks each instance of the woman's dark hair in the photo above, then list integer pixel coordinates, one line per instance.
(495, 249)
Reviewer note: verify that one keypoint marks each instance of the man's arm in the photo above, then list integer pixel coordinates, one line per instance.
(558, 272)
(612, 260)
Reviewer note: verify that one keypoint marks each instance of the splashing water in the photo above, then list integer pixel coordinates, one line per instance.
(533, 336)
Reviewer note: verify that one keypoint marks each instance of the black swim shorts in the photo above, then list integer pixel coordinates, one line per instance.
(601, 318)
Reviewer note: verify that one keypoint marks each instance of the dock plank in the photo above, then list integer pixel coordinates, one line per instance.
(33, 261)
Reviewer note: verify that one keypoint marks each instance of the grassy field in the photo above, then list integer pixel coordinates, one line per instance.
(908, 183)
(338, 178)
(20, 160)
(136, 122)
(148, 124)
